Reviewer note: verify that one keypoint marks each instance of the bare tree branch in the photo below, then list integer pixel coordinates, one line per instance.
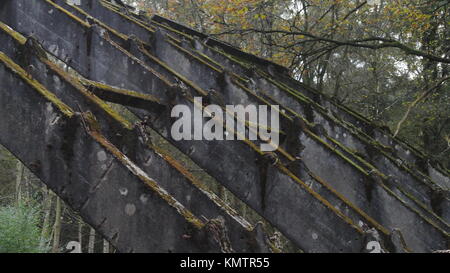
(369, 43)
(417, 101)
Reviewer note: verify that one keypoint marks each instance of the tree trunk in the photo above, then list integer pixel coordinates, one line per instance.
(19, 176)
(105, 246)
(91, 247)
(57, 226)
(80, 234)
(46, 211)
(27, 185)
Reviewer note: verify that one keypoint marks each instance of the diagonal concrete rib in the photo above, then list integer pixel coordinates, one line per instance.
(71, 159)
(175, 178)
(124, 97)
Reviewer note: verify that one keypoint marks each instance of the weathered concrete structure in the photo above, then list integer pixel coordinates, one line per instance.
(340, 182)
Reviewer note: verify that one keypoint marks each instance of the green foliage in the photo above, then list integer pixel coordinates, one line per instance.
(7, 175)
(19, 230)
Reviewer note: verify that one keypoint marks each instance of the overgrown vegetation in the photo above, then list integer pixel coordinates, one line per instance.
(20, 230)
(29, 221)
